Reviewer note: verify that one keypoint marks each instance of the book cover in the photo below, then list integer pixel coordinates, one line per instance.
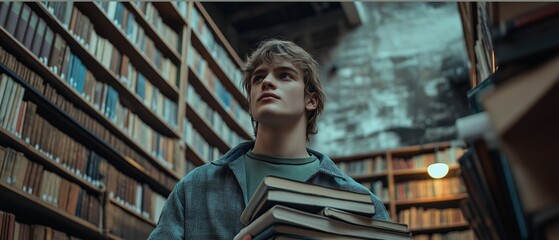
(362, 221)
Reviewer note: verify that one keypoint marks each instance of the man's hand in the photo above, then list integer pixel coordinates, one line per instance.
(247, 237)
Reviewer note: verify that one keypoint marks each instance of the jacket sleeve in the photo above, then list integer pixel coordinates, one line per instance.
(380, 209)
(171, 221)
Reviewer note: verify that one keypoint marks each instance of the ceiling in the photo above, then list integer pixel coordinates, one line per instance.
(244, 24)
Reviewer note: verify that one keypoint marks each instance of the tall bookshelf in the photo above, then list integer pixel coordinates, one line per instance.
(399, 178)
(105, 106)
(510, 171)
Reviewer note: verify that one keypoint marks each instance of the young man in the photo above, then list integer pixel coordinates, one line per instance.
(285, 99)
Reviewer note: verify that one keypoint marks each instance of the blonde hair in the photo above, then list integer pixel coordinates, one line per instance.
(272, 49)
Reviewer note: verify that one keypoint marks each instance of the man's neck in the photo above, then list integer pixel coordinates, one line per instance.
(289, 142)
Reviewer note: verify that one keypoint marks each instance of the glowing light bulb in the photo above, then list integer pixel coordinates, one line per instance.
(437, 170)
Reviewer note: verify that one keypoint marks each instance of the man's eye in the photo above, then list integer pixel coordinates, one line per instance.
(286, 76)
(256, 79)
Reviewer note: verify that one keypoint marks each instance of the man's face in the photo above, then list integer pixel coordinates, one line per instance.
(277, 94)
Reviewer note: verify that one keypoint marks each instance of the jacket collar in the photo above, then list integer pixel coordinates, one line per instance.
(327, 166)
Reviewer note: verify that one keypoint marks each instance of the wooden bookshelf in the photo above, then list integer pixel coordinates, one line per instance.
(153, 34)
(410, 174)
(133, 102)
(391, 177)
(441, 228)
(511, 176)
(212, 100)
(172, 13)
(369, 177)
(72, 95)
(206, 129)
(216, 68)
(127, 209)
(147, 170)
(108, 29)
(80, 132)
(27, 205)
(430, 200)
(193, 155)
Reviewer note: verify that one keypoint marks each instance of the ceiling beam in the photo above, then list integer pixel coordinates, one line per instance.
(352, 12)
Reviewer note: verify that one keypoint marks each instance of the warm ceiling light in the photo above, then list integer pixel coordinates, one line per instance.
(437, 170)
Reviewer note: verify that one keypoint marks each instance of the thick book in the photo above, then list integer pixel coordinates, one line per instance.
(278, 231)
(289, 216)
(276, 190)
(363, 221)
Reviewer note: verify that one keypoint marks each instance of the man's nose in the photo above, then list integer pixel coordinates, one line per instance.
(268, 81)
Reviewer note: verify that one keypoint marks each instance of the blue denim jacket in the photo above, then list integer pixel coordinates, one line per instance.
(208, 202)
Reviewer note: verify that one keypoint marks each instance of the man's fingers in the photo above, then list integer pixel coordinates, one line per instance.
(247, 237)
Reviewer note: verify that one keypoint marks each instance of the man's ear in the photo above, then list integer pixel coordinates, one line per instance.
(311, 102)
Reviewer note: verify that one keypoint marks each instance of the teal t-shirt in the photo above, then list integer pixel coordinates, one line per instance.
(259, 166)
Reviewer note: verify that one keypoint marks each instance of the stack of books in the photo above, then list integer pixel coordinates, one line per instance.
(286, 209)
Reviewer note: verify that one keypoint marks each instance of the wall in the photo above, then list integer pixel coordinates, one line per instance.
(398, 79)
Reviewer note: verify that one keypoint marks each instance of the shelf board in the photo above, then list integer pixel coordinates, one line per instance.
(194, 156)
(30, 207)
(130, 99)
(138, 59)
(150, 31)
(33, 154)
(429, 200)
(361, 156)
(137, 215)
(421, 173)
(218, 71)
(211, 99)
(370, 176)
(112, 236)
(171, 12)
(441, 228)
(205, 129)
(418, 149)
(76, 129)
(71, 94)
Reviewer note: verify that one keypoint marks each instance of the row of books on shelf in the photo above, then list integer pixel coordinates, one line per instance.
(31, 178)
(483, 46)
(448, 156)
(379, 189)
(125, 21)
(152, 14)
(418, 217)
(454, 235)
(109, 56)
(429, 188)
(135, 196)
(65, 151)
(213, 84)
(194, 139)
(364, 166)
(216, 50)
(39, 84)
(212, 117)
(10, 228)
